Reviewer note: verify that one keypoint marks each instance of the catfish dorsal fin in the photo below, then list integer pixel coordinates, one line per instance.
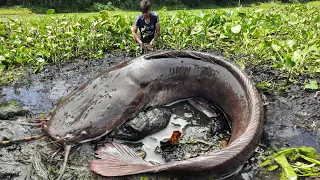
(118, 160)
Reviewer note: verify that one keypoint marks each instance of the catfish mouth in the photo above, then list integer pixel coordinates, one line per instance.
(72, 139)
(61, 140)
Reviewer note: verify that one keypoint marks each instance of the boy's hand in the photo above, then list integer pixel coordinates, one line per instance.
(150, 46)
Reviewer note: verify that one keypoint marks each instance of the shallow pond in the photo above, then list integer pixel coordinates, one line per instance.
(292, 119)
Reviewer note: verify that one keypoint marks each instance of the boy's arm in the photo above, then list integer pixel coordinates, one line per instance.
(157, 31)
(134, 31)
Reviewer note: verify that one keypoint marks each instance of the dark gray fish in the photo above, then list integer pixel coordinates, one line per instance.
(118, 94)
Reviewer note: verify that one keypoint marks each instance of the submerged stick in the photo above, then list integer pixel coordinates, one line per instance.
(20, 140)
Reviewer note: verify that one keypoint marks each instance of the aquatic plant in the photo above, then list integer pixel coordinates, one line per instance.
(284, 37)
(294, 162)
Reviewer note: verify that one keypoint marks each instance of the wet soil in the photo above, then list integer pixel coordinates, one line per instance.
(200, 133)
(291, 119)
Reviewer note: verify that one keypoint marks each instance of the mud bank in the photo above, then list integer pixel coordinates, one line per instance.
(292, 119)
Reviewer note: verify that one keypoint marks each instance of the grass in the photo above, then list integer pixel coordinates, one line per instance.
(14, 10)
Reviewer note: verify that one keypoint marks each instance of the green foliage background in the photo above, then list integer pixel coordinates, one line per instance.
(285, 37)
(86, 5)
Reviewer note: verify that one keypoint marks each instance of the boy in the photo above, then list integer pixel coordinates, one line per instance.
(148, 24)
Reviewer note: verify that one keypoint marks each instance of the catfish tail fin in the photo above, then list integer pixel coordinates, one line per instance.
(119, 160)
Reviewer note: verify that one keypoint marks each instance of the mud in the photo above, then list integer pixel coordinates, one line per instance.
(200, 134)
(292, 119)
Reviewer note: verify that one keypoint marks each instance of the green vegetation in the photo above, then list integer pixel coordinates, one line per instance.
(294, 162)
(285, 37)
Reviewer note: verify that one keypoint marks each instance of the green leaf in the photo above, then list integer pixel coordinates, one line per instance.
(29, 39)
(312, 85)
(164, 8)
(297, 55)
(144, 178)
(272, 168)
(99, 35)
(262, 45)
(121, 46)
(275, 47)
(266, 163)
(2, 67)
(291, 43)
(40, 60)
(1, 27)
(236, 29)
(2, 58)
(68, 34)
(310, 159)
(196, 30)
(309, 152)
(50, 11)
(287, 171)
(17, 42)
(290, 63)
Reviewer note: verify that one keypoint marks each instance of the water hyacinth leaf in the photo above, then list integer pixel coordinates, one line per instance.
(29, 39)
(17, 42)
(312, 85)
(40, 60)
(99, 35)
(196, 30)
(144, 178)
(266, 163)
(310, 159)
(164, 8)
(280, 43)
(236, 29)
(2, 58)
(262, 45)
(290, 63)
(275, 47)
(287, 171)
(290, 43)
(68, 34)
(272, 168)
(313, 48)
(50, 11)
(309, 152)
(242, 15)
(297, 55)
(2, 67)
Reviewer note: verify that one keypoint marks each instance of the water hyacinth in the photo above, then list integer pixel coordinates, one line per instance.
(285, 37)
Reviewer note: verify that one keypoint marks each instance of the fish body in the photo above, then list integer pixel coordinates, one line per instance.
(118, 94)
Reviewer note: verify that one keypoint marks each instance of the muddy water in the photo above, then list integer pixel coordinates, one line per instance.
(292, 119)
(200, 134)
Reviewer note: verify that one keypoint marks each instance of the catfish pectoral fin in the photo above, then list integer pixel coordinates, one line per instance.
(118, 160)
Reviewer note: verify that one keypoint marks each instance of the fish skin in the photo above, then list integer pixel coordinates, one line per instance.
(118, 94)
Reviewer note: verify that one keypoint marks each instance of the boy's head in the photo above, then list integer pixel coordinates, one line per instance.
(145, 8)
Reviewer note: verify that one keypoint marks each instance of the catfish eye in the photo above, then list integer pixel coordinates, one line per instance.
(83, 133)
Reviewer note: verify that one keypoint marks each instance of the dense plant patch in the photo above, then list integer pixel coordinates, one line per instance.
(285, 37)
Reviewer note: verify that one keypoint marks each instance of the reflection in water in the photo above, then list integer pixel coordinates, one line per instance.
(37, 96)
(194, 125)
(152, 141)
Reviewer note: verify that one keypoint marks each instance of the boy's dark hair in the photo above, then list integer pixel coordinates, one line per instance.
(145, 5)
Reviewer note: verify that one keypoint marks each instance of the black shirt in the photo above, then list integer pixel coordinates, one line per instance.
(147, 30)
